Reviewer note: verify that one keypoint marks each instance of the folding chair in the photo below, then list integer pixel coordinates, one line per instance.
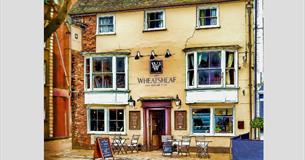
(134, 142)
(185, 145)
(202, 147)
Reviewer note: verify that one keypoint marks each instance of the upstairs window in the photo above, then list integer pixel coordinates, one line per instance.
(106, 73)
(106, 25)
(207, 17)
(154, 20)
(211, 69)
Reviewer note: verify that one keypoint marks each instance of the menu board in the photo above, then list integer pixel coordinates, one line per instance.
(103, 148)
(167, 147)
(180, 120)
(134, 120)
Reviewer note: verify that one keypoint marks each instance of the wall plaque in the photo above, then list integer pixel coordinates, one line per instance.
(134, 120)
(180, 120)
(156, 66)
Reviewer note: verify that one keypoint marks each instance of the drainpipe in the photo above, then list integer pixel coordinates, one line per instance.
(255, 63)
(249, 8)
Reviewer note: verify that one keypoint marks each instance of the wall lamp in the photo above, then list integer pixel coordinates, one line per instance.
(153, 55)
(131, 102)
(167, 53)
(178, 101)
(138, 55)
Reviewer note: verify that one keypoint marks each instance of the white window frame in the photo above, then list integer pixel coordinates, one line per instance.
(97, 24)
(212, 122)
(207, 7)
(223, 70)
(114, 87)
(106, 120)
(154, 11)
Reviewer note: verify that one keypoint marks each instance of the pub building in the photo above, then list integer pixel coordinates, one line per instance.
(177, 68)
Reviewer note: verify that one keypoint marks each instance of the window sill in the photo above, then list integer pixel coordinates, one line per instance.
(108, 91)
(155, 30)
(105, 34)
(212, 88)
(214, 135)
(107, 133)
(207, 27)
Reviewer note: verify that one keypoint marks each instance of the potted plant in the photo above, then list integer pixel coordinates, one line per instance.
(257, 123)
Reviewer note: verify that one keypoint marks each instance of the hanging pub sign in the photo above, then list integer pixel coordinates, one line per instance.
(156, 66)
(103, 148)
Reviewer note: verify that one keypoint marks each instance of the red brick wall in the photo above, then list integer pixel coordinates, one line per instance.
(80, 139)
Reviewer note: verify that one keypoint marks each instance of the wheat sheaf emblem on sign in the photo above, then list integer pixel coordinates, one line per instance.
(156, 65)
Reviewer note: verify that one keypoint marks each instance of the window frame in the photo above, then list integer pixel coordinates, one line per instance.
(199, 8)
(106, 120)
(212, 121)
(98, 22)
(146, 18)
(114, 72)
(223, 69)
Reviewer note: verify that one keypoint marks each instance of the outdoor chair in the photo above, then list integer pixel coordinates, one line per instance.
(134, 143)
(118, 145)
(202, 147)
(184, 146)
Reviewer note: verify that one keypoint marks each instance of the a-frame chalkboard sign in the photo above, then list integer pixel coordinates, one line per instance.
(103, 148)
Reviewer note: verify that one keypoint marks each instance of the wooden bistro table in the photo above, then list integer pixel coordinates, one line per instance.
(202, 148)
(119, 144)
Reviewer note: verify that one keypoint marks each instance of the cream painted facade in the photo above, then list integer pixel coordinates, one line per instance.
(180, 33)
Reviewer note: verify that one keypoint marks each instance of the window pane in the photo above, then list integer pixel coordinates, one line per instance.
(120, 80)
(120, 114)
(203, 77)
(230, 74)
(112, 126)
(112, 114)
(213, 12)
(201, 13)
(215, 59)
(190, 58)
(159, 15)
(120, 64)
(97, 64)
(230, 59)
(97, 120)
(207, 12)
(87, 81)
(93, 115)
(213, 21)
(101, 126)
(207, 21)
(203, 60)
(107, 64)
(87, 65)
(190, 75)
(120, 126)
(201, 120)
(93, 126)
(215, 76)
(224, 120)
(102, 81)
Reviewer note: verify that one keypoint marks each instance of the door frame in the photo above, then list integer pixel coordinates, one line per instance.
(146, 110)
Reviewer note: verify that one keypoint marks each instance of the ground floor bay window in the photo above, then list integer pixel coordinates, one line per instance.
(106, 120)
(212, 121)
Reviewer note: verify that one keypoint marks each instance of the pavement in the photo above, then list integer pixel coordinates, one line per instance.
(62, 150)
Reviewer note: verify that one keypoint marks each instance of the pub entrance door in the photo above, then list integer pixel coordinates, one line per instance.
(157, 122)
(156, 127)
